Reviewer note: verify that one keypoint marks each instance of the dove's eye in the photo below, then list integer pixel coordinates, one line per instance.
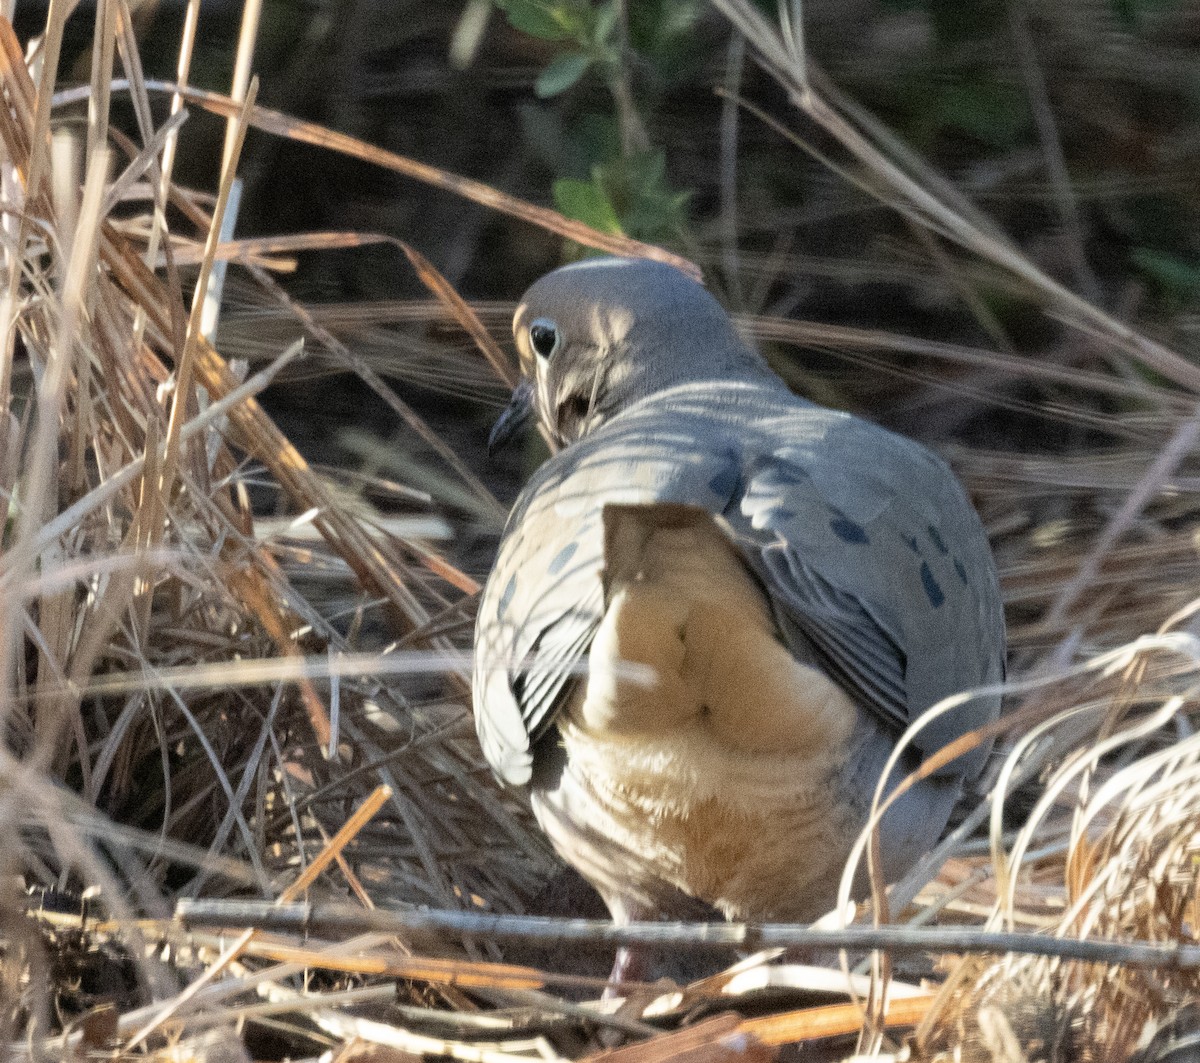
(543, 337)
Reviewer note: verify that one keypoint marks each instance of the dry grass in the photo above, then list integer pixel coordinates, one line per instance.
(136, 577)
(195, 701)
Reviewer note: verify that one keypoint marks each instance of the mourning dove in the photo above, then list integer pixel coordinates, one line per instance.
(717, 607)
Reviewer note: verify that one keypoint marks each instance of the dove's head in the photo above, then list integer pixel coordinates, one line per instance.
(598, 335)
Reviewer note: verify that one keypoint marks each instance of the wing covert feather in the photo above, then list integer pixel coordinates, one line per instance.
(545, 599)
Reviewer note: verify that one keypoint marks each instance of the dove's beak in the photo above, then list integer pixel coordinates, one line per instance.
(515, 414)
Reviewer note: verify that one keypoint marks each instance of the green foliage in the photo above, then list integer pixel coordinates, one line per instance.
(643, 196)
(609, 178)
(1131, 12)
(587, 27)
(629, 194)
(963, 21)
(1175, 278)
(551, 20)
(994, 113)
(660, 31)
(588, 202)
(562, 73)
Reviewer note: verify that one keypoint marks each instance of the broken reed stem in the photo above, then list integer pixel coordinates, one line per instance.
(359, 819)
(242, 66)
(831, 1020)
(185, 369)
(330, 919)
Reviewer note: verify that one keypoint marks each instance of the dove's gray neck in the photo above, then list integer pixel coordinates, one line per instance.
(664, 351)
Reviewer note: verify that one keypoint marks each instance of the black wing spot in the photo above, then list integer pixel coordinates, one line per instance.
(932, 591)
(913, 545)
(936, 537)
(962, 572)
(724, 484)
(562, 557)
(849, 532)
(788, 476)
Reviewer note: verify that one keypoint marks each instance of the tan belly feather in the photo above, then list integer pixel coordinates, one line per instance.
(717, 761)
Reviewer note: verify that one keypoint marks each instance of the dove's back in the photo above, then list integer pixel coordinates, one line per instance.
(854, 555)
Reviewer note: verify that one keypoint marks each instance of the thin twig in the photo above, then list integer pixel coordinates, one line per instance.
(332, 919)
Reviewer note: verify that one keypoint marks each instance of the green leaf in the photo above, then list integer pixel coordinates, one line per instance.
(994, 113)
(1130, 12)
(561, 74)
(1124, 10)
(957, 23)
(641, 196)
(662, 33)
(547, 19)
(586, 201)
(606, 21)
(1172, 273)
